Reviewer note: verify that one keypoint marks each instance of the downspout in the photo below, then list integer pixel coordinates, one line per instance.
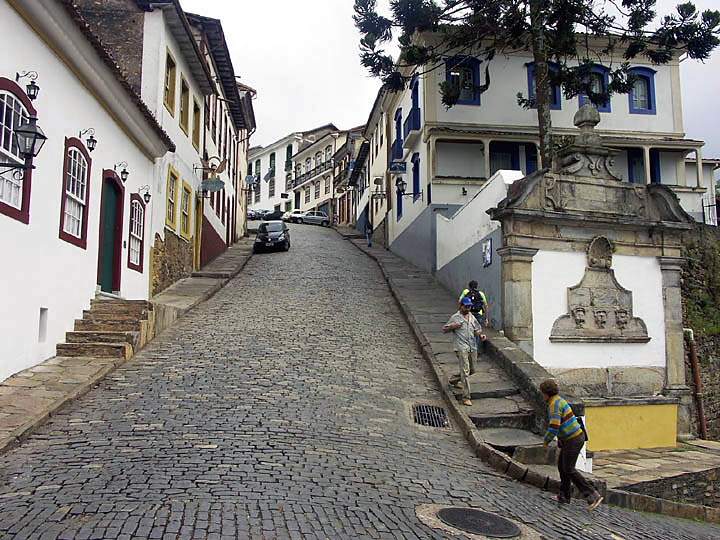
(698, 386)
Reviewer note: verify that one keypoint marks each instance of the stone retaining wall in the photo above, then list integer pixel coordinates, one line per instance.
(702, 488)
(701, 312)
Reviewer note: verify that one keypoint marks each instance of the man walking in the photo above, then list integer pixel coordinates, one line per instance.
(368, 233)
(563, 424)
(466, 329)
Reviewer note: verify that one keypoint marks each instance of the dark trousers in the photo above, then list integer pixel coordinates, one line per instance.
(569, 475)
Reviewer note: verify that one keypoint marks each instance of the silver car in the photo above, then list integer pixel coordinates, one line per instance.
(314, 218)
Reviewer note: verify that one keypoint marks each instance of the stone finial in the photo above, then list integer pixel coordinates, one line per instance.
(587, 156)
(585, 120)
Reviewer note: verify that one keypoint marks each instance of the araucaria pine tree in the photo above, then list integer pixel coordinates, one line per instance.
(565, 37)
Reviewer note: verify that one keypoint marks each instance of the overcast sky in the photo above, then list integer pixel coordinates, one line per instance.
(302, 57)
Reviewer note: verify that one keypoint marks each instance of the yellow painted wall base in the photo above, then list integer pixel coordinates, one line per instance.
(625, 427)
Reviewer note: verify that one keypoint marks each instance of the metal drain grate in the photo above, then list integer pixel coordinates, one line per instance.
(430, 415)
(478, 522)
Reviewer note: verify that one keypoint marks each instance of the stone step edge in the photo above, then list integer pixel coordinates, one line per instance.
(498, 460)
(22, 432)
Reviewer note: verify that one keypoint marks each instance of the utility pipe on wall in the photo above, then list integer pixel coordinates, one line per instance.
(698, 392)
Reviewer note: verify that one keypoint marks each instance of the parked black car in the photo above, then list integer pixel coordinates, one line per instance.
(272, 235)
(273, 216)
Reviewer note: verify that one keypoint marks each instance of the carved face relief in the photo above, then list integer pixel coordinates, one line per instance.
(578, 314)
(600, 318)
(622, 317)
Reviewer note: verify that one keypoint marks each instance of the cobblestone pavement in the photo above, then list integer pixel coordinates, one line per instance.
(277, 409)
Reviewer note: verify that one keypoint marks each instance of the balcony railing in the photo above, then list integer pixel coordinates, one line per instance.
(412, 122)
(397, 149)
(312, 173)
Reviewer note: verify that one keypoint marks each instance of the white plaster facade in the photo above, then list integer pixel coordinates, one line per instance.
(553, 272)
(259, 198)
(451, 143)
(158, 42)
(78, 91)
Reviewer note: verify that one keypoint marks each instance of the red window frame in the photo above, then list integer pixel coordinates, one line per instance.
(23, 213)
(132, 266)
(74, 142)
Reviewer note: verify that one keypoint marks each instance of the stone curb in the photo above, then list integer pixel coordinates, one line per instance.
(498, 460)
(22, 432)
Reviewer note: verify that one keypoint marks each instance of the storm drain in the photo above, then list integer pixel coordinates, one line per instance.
(430, 415)
(478, 522)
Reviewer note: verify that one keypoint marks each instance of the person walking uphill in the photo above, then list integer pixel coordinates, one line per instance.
(570, 433)
(466, 329)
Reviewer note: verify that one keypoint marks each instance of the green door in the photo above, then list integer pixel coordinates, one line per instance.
(108, 236)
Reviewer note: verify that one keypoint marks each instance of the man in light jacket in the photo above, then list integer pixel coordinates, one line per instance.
(466, 329)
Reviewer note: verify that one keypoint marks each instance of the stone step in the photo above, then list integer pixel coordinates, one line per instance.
(509, 439)
(117, 307)
(121, 301)
(102, 337)
(513, 420)
(536, 454)
(484, 390)
(95, 350)
(82, 325)
(92, 315)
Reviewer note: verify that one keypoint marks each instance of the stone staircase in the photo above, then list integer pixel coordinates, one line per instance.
(111, 328)
(503, 417)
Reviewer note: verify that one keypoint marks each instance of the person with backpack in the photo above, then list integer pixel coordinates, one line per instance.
(479, 301)
(571, 436)
(467, 331)
(478, 308)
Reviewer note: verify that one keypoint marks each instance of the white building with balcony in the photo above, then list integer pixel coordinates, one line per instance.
(270, 169)
(449, 154)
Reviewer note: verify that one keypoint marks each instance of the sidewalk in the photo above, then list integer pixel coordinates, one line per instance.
(29, 398)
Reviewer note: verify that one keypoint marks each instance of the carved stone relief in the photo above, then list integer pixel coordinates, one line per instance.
(600, 310)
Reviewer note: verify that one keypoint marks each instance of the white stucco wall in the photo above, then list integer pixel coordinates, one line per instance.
(553, 272)
(157, 41)
(471, 223)
(45, 271)
(458, 159)
(509, 76)
(279, 147)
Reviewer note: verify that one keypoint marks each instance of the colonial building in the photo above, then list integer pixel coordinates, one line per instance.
(450, 153)
(349, 157)
(313, 187)
(272, 184)
(130, 146)
(78, 217)
(228, 120)
(154, 43)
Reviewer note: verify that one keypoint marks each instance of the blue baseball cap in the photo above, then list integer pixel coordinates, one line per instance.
(466, 301)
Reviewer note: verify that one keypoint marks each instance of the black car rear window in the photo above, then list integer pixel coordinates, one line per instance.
(270, 227)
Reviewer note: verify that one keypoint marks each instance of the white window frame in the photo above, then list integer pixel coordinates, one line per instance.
(11, 184)
(75, 193)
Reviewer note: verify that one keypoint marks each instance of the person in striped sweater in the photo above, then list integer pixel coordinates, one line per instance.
(563, 424)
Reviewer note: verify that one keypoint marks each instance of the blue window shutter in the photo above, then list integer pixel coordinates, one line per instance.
(655, 166)
(649, 76)
(556, 103)
(634, 157)
(416, 176)
(399, 207)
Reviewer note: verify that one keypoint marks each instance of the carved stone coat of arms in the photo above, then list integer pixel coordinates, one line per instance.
(600, 310)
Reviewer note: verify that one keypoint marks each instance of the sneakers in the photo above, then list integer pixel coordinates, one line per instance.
(592, 505)
(467, 402)
(562, 500)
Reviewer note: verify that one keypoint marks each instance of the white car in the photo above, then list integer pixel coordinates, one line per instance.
(293, 216)
(314, 217)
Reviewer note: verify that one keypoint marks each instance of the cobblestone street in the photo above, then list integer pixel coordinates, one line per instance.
(277, 409)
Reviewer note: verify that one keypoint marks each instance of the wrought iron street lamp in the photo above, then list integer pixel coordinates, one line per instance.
(31, 89)
(91, 141)
(145, 192)
(124, 172)
(29, 139)
(401, 186)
